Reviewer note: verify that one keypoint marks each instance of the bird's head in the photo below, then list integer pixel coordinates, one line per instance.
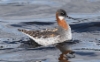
(60, 16)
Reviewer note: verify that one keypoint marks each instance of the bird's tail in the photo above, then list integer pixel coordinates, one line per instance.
(22, 30)
(26, 31)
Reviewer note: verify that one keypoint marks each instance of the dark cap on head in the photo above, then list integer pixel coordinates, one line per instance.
(62, 12)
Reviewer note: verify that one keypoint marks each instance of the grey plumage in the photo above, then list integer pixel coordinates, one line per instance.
(42, 33)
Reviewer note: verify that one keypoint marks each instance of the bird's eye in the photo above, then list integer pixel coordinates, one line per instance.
(62, 13)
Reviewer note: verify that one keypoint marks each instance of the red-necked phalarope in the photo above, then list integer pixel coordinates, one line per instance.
(49, 37)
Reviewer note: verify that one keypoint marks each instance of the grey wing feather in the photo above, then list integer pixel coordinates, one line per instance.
(42, 33)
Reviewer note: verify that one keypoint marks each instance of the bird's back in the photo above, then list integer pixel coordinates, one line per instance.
(43, 37)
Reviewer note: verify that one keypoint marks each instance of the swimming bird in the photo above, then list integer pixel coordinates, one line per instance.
(49, 37)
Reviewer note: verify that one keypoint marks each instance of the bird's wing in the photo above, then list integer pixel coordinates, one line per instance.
(42, 37)
(41, 33)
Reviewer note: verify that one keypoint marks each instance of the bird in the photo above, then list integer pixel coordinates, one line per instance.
(54, 36)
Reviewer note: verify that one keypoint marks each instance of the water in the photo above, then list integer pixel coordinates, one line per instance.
(40, 14)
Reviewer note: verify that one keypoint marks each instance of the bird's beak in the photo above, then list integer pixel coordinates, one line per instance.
(71, 17)
(68, 17)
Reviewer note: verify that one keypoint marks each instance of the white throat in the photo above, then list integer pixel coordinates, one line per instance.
(61, 17)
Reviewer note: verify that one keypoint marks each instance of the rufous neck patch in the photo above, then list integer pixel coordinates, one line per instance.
(62, 22)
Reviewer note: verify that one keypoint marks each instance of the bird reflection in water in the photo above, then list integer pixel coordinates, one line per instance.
(66, 53)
